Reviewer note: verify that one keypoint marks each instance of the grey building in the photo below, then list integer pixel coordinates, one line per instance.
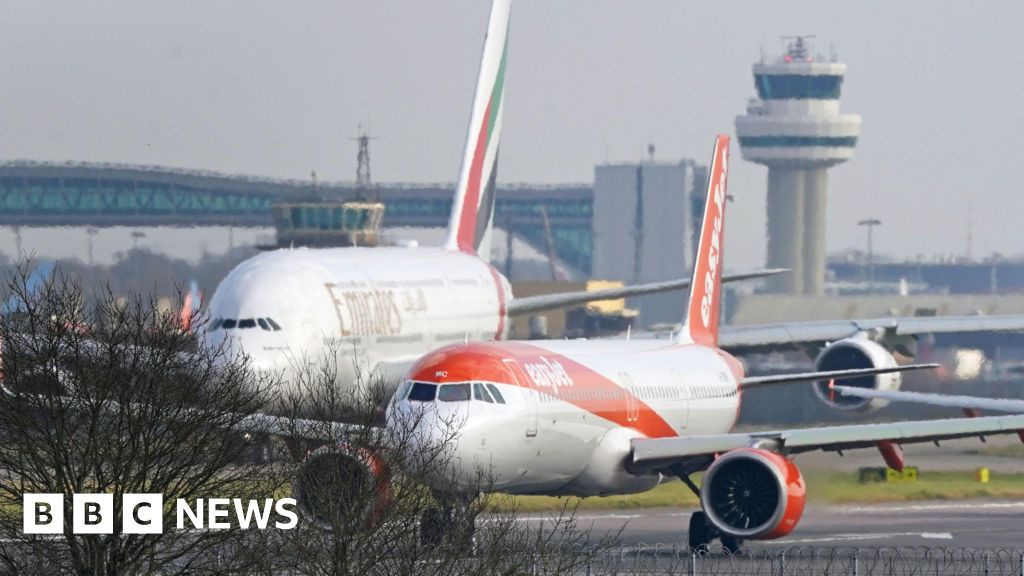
(643, 228)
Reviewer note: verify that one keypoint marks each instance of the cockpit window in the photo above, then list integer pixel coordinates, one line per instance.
(453, 393)
(422, 392)
(402, 390)
(267, 324)
(497, 395)
(480, 393)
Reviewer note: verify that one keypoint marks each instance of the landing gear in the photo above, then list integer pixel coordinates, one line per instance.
(731, 545)
(432, 527)
(699, 535)
(702, 534)
(449, 525)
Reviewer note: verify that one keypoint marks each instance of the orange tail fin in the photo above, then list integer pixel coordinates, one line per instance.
(700, 325)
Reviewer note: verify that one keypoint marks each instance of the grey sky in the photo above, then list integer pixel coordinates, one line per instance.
(277, 88)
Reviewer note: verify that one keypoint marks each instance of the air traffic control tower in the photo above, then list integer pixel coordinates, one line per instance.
(795, 129)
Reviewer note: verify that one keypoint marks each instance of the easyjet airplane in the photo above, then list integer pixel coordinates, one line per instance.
(589, 418)
(380, 309)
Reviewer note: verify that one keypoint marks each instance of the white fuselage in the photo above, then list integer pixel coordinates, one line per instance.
(361, 308)
(571, 408)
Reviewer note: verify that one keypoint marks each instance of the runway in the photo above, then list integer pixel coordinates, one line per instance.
(960, 524)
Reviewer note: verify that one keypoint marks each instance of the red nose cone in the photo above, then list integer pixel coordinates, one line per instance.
(463, 363)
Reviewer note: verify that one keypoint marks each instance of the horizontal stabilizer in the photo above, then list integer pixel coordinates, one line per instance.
(533, 304)
(760, 381)
(1010, 405)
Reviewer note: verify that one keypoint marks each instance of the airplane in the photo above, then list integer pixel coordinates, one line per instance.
(585, 418)
(376, 310)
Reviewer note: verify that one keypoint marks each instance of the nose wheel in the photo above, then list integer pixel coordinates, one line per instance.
(447, 525)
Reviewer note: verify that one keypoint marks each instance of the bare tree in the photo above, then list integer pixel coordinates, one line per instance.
(108, 396)
(104, 395)
(392, 498)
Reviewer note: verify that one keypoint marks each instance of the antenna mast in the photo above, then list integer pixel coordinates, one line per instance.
(364, 185)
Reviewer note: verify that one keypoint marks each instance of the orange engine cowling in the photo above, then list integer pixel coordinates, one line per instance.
(343, 487)
(753, 494)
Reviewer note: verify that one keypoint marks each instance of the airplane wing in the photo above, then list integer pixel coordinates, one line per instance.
(533, 304)
(655, 453)
(798, 335)
(1010, 405)
(762, 381)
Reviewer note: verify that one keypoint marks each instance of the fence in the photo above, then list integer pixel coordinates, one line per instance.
(803, 561)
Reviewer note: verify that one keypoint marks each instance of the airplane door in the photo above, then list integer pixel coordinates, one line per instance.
(681, 413)
(632, 404)
(529, 395)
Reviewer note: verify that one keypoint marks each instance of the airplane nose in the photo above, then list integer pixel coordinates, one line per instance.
(427, 434)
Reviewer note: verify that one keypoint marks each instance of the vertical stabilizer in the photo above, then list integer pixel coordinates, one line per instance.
(190, 307)
(469, 229)
(700, 324)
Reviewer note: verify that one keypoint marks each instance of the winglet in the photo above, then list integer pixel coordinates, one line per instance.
(469, 228)
(700, 324)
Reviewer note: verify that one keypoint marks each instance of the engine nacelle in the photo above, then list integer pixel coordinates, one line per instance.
(856, 352)
(342, 487)
(753, 494)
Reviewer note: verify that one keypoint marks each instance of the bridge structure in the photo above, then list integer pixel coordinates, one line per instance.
(101, 195)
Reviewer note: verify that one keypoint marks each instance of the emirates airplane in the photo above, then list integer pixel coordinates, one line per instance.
(380, 309)
(587, 418)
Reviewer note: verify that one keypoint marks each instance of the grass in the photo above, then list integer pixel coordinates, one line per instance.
(672, 494)
(1015, 450)
(931, 485)
(822, 487)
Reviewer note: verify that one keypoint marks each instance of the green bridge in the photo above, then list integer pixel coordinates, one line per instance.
(88, 194)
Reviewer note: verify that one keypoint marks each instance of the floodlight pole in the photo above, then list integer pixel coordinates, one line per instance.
(870, 223)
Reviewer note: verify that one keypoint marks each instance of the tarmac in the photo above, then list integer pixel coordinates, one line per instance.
(950, 524)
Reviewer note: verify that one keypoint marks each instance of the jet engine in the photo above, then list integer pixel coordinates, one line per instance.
(754, 494)
(850, 353)
(343, 487)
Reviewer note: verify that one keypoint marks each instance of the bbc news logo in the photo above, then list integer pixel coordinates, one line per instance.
(144, 513)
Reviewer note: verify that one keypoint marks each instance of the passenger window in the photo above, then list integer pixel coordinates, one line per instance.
(263, 324)
(215, 324)
(229, 323)
(454, 393)
(273, 324)
(497, 395)
(422, 392)
(246, 323)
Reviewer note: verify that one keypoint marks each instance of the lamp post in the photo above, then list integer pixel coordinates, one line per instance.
(91, 231)
(136, 235)
(871, 223)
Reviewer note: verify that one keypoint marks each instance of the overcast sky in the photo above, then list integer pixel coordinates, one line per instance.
(277, 88)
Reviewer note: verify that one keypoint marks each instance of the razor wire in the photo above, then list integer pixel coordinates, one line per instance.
(784, 561)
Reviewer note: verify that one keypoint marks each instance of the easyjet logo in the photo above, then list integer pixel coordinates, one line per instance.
(548, 374)
(715, 251)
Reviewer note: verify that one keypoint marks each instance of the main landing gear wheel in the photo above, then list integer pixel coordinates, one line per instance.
(732, 545)
(699, 534)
